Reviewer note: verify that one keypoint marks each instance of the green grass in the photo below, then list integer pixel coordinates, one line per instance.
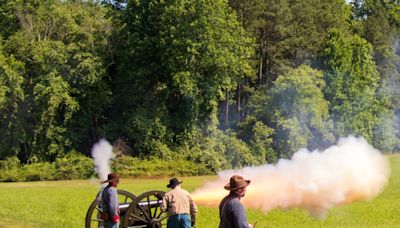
(64, 204)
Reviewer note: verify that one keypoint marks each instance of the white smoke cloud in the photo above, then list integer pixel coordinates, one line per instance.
(102, 154)
(349, 171)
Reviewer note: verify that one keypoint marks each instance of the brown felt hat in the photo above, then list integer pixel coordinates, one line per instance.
(236, 182)
(111, 177)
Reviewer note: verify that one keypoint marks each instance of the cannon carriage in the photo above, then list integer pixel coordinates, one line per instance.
(136, 211)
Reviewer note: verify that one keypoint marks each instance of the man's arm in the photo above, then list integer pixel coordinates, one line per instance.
(113, 204)
(164, 204)
(193, 210)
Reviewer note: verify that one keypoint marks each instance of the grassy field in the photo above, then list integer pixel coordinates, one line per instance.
(64, 204)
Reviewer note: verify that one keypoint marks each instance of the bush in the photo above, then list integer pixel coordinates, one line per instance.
(73, 166)
(11, 171)
(10, 163)
(154, 167)
(160, 150)
(37, 172)
(220, 151)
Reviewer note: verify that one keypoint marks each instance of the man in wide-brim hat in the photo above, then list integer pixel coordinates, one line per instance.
(173, 183)
(231, 211)
(110, 208)
(112, 177)
(182, 210)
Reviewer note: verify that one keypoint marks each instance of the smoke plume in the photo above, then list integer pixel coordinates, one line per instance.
(349, 171)
(102, 154)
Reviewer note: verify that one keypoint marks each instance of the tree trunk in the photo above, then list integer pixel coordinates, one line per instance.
(265, 39)
(266, 55)
(261, 58)
(226, 109)
(245, 100)
(238, 105)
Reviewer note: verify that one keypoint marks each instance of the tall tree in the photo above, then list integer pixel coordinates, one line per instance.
(270, 22)
(289, 32)
(299, 112)
(61, 45)
(352, 81)
(380, 25)
(177, 61)
(311, 22)
(11, 97)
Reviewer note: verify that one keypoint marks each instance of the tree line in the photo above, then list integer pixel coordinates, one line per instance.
(216, 82)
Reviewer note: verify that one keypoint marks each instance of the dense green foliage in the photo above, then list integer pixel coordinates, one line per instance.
(131, 167)
(77, 166)
(219, 83)
(299, 111)
(72, 166)
(64, 204)
(352, 80)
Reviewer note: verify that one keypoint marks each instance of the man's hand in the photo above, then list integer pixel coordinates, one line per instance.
(116, 218)
(250, 226)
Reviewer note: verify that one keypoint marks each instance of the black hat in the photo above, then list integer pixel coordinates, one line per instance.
(173, 183)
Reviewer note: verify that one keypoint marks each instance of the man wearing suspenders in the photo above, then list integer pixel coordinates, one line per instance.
(231, 210)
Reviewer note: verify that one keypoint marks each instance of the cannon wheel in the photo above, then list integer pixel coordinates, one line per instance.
(93, 213)
(141, 215)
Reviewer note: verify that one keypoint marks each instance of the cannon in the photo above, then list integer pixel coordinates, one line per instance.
(136, 211)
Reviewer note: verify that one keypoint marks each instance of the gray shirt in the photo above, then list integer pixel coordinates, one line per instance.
(110, 200)
(232, 213)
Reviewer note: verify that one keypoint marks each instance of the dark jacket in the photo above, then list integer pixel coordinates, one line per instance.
(232, 213)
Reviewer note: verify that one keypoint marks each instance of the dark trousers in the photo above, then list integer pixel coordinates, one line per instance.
(179, 221)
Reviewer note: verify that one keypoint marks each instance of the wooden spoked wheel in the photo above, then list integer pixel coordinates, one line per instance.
(145, 211)
(93, 214)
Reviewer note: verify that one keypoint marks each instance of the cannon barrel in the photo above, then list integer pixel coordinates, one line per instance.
(154, 203)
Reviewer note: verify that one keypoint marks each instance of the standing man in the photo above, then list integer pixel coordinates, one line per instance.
(109, 197)
(231, 210)
(182, 210)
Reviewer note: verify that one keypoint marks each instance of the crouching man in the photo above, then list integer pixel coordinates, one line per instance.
(182, 210)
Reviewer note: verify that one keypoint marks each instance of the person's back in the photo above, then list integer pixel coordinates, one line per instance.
(179, 205)
(180, 201)
(232, 213)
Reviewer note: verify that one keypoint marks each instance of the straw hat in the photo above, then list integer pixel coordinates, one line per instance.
(236, 182)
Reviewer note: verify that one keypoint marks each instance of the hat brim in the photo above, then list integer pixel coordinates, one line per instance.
(108, 181)
(173, 185)
(228, 186)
